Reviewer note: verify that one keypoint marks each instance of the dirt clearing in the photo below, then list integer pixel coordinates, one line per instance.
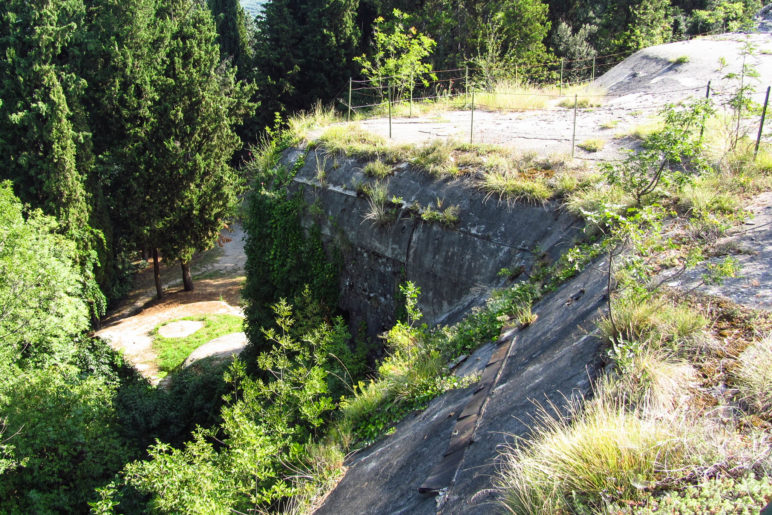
(218, 276)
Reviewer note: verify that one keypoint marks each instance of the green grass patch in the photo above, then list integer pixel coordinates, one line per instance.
(592, 145)
(172, 352)
(514, 188)
(377, 169)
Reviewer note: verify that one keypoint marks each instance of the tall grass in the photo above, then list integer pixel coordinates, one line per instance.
(753, 377)
(515, 96)
(590, 456)
(656, 322)
(580, 460)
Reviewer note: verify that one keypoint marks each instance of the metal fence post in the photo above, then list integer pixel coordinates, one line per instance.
(761, 125)
(573, 136)
(466, 84)
(707, 96)
(471, 125)
(561, 75)
(389, 111)
(593, 68)
(348, 114)
(411, 94)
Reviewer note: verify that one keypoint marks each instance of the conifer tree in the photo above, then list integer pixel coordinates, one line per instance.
(192, 183)
(304, 52)
(40, 145)
(232, 35)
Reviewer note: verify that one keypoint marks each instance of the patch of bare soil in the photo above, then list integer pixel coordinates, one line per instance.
(218, 276)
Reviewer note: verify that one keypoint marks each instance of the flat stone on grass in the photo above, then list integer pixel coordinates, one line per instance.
(180, 329)
(223, 347)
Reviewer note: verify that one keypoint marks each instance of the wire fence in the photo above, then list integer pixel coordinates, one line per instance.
(562, 85)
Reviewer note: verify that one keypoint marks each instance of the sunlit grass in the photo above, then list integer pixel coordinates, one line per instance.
(172, 352)
(753, 376)
(513, 96)
(592, 145)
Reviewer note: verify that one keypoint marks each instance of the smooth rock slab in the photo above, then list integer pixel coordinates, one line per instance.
(221, 348)
(180, 329)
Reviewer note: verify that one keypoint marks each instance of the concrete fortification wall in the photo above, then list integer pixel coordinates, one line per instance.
(455, 266)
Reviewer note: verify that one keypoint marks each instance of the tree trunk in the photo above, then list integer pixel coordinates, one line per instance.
(187, 280)
(157, 275)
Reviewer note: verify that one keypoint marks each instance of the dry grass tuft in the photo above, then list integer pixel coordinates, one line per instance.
(753, 377)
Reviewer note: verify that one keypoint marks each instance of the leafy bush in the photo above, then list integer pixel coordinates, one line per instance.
(677, 142)
(65, 436)
(282, 257)
(41, 306)
(267, 425)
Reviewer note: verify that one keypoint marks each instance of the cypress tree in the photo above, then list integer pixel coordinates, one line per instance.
(232, 35)
(199, 103)
(304, 52)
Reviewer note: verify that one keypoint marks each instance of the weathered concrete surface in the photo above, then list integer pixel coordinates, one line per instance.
(454, 267)
(554, 357)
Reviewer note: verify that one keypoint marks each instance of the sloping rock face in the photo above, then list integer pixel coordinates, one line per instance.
(455, 266)
(554, 358)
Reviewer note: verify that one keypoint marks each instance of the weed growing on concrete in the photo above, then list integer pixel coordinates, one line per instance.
(592, 145)
(381, 211)
(514, 188)
(377, 169)
(447, 216)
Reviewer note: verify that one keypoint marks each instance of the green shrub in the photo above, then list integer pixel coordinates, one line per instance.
(282, 257)
(41, 299)
(268, 424)
(65, 436)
